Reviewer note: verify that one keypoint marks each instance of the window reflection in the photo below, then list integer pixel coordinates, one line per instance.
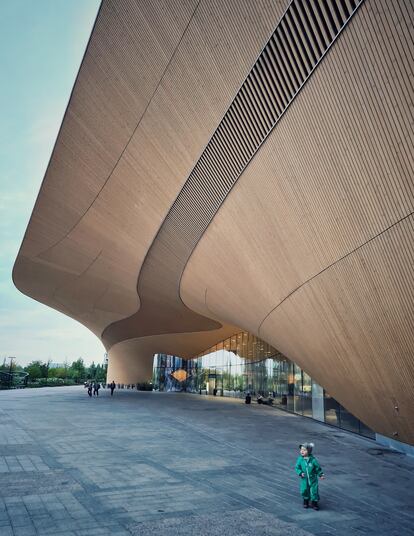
(244, 363)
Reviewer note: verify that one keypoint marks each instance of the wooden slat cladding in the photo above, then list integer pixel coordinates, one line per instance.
(313, 249)
(107, 102)
(302, 37)
(359, 314)
(156, 79)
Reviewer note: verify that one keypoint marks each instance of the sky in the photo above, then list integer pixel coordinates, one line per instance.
(42, 43)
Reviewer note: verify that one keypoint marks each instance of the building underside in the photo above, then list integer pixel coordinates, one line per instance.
(228, 166)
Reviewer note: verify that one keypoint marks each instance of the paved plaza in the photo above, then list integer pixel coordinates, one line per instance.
(143, 463)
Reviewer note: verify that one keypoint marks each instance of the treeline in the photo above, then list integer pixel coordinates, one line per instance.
(42, 373)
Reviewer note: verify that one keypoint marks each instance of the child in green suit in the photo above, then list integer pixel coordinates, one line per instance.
(308, 468)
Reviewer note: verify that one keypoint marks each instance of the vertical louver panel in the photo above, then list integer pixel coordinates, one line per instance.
(304, 34)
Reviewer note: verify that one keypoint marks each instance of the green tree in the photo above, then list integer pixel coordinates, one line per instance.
(100, 373)
(92, 371)
(77, 370)
(45, 369)
(35, 369)
(58, 372)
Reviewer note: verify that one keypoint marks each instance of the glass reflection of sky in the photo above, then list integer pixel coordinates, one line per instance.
(221, 358)
(236, 350)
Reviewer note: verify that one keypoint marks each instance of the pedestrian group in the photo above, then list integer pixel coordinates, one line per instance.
(94, 386)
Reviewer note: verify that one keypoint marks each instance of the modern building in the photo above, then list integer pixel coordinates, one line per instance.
(243, 364)
(237, 166)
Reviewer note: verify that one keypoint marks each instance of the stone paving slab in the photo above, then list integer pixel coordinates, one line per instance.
(139, 462)
(246, 522)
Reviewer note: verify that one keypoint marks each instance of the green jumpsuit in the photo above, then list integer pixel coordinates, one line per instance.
(309, 483)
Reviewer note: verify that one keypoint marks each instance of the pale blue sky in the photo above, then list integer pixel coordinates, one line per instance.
(41, 47)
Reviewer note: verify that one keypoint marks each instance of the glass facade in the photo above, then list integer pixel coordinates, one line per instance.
(244, 363)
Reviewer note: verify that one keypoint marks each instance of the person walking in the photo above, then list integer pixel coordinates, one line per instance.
(96, 387)
(308, 469)
(112, 386)
(90, 388)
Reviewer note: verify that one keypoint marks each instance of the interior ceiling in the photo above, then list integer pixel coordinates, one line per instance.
(310, 247)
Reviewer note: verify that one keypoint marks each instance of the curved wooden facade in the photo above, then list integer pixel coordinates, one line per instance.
(226, 165)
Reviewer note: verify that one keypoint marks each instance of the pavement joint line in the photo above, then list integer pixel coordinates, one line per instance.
(233, 459)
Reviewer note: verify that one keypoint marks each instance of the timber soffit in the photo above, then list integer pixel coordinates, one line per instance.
(301, 39)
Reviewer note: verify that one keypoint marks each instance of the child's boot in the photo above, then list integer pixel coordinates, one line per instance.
(314, 505)
(305, 503)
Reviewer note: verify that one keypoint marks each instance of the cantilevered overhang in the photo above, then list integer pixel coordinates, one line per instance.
(245, 164)
(155, 81)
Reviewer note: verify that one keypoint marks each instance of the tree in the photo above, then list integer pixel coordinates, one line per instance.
(45, 369)
(35, 369)
(77, 370)
(92, 371)
(58, 372)
(100, 373)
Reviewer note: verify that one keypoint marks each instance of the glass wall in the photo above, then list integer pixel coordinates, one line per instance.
(244, 363)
